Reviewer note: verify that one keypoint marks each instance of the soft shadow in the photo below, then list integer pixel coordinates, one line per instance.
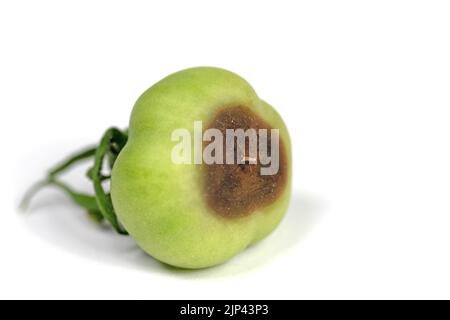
(69, 228)
(54, 220)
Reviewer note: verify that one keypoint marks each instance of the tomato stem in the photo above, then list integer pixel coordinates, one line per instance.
(112, 142)
(98, 206)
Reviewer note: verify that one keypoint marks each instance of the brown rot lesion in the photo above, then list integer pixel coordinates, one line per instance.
(239, 188)
(246, 164)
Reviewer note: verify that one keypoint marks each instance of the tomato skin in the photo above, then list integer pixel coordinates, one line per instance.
(162, 204)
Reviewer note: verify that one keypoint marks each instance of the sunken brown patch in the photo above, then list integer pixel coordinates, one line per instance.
(234, 190)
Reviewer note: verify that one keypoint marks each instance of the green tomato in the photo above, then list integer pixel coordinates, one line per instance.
(191, 210)
(197, 215)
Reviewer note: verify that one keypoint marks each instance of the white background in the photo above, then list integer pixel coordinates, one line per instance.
(364, 87)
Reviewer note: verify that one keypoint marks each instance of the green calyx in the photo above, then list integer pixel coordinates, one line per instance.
(99, 206)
